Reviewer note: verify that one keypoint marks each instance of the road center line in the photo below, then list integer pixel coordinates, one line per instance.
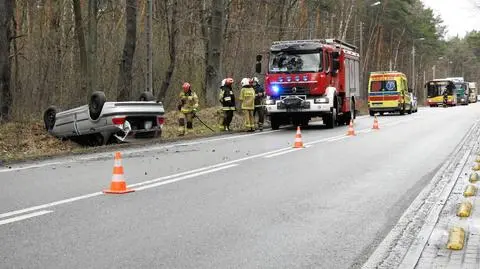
(184, 177)
(34, 208)
(283, 152)
(143, 149)
(23, 217)
(171, 178)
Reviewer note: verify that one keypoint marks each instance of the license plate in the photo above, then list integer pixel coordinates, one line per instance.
(148, 125)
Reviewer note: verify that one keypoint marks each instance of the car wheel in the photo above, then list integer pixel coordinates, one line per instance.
(49, 117)
(95, 106)
(146, 96)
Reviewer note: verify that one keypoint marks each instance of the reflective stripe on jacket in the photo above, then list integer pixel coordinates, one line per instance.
(189, 101)
(227, 98)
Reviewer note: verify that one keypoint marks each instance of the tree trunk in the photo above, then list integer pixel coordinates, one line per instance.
(125, 76)
(172, 30)
(92, 47)
(215, 38)
(6, 24)
(80, 39)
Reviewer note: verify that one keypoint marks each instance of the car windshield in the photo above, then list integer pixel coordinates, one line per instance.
(438, 88)
(383, 86)
(287, 62)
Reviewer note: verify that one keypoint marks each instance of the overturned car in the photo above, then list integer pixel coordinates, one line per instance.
(101, 122)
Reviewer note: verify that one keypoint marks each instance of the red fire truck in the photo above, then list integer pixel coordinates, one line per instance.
(311, 78)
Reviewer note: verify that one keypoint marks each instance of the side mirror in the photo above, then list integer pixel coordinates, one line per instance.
(258, 67)
(259, 58)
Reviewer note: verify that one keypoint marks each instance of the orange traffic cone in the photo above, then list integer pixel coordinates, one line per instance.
(375, 124)
(351, 131)
(118, 184)
(298, 139)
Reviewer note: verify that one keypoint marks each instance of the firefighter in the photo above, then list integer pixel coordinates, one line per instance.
(227, 99)
(188, 106)
(247, 96)
(450, 87)
(259, 103)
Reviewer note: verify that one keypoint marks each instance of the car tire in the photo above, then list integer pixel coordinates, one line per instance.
(371, 113)
(146, 97)
(95, 105)
(49, 117)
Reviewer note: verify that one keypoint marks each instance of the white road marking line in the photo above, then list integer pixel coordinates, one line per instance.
(82, 197)
(74, 199)
(205, 168)
(184, 177)
(23, 217)
(34, 208)
(143, 149)
(284, 152)
(338, 138)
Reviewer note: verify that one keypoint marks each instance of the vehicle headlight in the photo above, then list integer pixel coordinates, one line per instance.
(321, 100)
(270, 102)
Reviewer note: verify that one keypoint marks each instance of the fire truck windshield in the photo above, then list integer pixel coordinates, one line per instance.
(294, 61)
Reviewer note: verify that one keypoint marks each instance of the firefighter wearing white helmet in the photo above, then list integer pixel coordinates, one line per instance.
(227, 99)
(259, 103)
(247, 96)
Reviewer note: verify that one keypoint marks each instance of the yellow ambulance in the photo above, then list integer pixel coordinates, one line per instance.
(388, 92)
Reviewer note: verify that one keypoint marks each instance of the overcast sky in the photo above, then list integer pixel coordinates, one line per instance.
(459, 16)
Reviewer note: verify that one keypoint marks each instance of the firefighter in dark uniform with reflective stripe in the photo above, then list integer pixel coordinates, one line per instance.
(259, 103)
(227, 99)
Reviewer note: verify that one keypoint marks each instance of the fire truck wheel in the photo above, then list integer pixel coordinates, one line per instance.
(331, 120)
(275, 123)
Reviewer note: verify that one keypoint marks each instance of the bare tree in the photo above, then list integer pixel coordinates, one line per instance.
(6, 24)
(80, 39)
(172, 29)
(125, 75)
(92, 45)
(213, 52)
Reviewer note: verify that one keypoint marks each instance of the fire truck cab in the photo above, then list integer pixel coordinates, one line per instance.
(311, 78)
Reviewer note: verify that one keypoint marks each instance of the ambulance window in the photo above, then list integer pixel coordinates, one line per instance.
(388, 85)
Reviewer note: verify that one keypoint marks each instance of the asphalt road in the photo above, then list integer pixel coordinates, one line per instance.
(239, 201)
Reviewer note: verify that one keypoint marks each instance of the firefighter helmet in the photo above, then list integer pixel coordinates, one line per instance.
(246, 82)
(186, 86)
(255, 80)
(226, 82)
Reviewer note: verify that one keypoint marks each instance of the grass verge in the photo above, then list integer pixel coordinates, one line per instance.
(29, 140)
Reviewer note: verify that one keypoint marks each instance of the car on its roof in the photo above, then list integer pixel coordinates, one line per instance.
(100, 122)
